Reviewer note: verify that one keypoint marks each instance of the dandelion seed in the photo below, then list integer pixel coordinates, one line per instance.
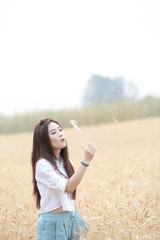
(115, 120)
(74, 123)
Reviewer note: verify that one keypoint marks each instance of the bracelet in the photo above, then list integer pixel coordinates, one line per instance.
(86, 165)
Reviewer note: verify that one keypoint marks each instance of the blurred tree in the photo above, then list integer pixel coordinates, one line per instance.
(105, 90)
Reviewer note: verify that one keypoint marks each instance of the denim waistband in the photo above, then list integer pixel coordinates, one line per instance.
(57, 214)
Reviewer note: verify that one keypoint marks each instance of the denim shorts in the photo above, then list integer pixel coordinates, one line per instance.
(61, 226)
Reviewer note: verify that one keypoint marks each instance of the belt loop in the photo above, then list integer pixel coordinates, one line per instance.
(73, 215)
(71, 224)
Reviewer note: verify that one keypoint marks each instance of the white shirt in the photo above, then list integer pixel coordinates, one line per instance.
(51, 185)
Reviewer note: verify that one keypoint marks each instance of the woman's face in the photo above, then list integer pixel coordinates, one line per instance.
(56, 136)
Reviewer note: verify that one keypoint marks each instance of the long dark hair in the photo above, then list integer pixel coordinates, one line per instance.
(42, 149)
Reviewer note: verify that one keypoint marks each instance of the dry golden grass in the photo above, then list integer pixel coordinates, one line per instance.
(119, 196)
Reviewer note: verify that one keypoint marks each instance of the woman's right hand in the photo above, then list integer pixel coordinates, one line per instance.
(90, 150)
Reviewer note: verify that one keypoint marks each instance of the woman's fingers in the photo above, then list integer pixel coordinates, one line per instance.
(90, 151)
(91, 147)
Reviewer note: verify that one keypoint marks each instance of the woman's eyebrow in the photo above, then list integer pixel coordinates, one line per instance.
(52, 130)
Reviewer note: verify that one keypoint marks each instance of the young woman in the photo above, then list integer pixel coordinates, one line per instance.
(55, 183)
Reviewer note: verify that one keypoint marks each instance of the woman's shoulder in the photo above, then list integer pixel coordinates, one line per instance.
(43, 162)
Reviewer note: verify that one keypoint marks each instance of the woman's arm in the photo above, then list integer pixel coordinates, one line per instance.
(76, 178)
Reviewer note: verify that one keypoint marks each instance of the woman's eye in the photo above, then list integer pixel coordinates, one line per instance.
(53, 133)
(60, 129)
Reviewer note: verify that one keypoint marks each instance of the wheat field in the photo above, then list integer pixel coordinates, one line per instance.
(119, 196)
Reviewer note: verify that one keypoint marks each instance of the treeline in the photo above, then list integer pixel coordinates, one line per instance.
(93, 114)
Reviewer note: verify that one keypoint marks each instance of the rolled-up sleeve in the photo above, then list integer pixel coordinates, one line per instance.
(47, 175)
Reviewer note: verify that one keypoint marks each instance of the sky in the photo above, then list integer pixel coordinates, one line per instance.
(49, 49)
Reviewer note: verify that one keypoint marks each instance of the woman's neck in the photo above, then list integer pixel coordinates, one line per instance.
(58, 157)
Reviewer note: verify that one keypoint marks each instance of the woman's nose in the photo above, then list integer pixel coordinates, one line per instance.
(60, 133)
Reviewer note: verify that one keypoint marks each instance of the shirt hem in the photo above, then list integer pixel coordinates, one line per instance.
(65, 210)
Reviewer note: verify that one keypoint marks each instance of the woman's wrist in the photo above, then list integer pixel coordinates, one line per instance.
(86, 160)
(85, 164)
